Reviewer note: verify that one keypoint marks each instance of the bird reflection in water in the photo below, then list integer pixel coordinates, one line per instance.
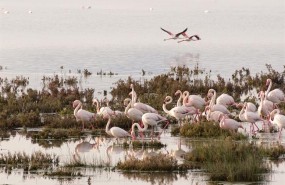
(86, 146)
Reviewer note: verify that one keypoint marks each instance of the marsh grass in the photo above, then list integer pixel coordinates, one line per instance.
(36, 161)
(230, 161)
(49, 133)
(208, 130)
(160, 162)
(145, 144)
(62, 171)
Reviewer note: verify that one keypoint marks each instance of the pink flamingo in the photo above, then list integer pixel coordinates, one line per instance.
(193, 100)
(278, 119)
(252, 117)
(216, 107)
(190, 38)
(180, 99)
(81, 114)
(144, 108)
(179, 112)
(229, 124)
(103, 111)
(212, 115)
(173, 36)
(276, 95)
(226, 100)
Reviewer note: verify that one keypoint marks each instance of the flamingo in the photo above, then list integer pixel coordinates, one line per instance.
(212, 115)
(216, 107)
(179, 112)
(226, 100)
(178, 92)
(278, 119)
(250, 106)
(132, 113)
(85, 146)
(179, 153)
(81, 114)
(276, 95)
(229, 124)
(251, 117)
(265, 106)
(115, 131)
(173, 36)
(103, 111)
(190, 38)
(193, 100)
(148, 119)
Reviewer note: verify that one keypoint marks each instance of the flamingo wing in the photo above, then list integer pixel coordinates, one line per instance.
(118, 132)
(168, 32)
(183, 32)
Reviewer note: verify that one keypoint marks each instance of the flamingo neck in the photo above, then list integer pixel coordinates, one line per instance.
(107, 130)
(139, 127)
(185, 98)
(79, 106)
(213, 99)
(180, 98)
(269, 87)
(165, 103)
(97, 106)
(128, 107)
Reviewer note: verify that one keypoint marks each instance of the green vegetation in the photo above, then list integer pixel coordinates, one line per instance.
(149, 144)
(160, 162)
(208, 130)
(230, 161)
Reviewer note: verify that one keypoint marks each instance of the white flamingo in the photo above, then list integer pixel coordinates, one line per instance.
(138, 105)
(226, 100)
(132, 113)
(265, 106)
(278, 119)
(216, 107)
(116, 132)
(252, 117)
(250, 106)
(276, 95)
(103, 111)
(81, 114)
(180, 99)
(173, 36)
(148, 119)
(179, 112)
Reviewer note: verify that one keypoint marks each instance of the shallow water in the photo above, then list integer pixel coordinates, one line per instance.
(109, 153)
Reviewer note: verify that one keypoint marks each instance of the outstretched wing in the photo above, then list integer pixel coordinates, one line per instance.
(183, 32)
(195, 36)
(167, 31)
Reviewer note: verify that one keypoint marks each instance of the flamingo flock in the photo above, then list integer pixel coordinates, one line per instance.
(185, 38)
(216, 109)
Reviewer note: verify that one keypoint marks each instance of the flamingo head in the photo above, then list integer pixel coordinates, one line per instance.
(239, 105)
(167, 99)
(132, 86)
(268, 81)
(178, 92)
(94, 101)
(75, 103)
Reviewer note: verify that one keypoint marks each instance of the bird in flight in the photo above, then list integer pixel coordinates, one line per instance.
(174, 36)
(191, 38)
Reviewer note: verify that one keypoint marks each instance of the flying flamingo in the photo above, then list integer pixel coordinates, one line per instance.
(115, 131)
(229, 124)
(216, 107)
(173, 36)
(138, 105)
(148, 119)
(179, 112)
(190, 38)
(276, 95)
(81, 114)
(278, 119)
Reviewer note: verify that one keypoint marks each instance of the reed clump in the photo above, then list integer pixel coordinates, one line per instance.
(49, 133)
(208, 130)
(230, 161)
(35, 161)
(160, 162)
(140, 144)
